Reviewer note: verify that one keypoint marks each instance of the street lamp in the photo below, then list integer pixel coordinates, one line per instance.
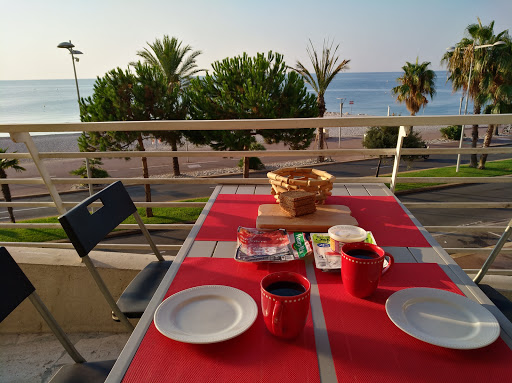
(342, 100)
(69, 46)
(475, 47)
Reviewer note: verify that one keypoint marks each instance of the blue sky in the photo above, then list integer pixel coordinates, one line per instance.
(376, 35)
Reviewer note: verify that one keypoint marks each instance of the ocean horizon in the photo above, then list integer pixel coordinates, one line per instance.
(363, 93)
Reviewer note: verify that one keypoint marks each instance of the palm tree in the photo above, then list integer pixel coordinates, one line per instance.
(178, 64)
(496, 86)
(458, 64)
(416, 83)
(169, 55)
(4, 165)
(326, 68)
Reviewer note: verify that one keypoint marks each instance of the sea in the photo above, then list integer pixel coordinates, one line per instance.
(369, 93)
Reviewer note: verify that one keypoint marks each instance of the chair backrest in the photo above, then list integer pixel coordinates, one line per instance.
(14, 284)
(85, 230)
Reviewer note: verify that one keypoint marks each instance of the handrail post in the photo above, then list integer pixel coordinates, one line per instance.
(494, 253)
(403, 132)
(25, 138)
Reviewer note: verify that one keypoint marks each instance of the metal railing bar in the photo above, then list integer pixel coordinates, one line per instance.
(488, 150)
(254, 181)
(463, 229)
(211, 153)
(409, 205)
(505, 272)
(123, 226)
(156, 181)
(185, 226)
(457, 205)
(22, 181)
(263, 153)
(141, 181)
(494, 253)
(209, 181)
(29, 204)
(474, 250)
(144, 247)
(98, 204)
(252, 124)
(106, 246)
(461, 180)
(15, 155)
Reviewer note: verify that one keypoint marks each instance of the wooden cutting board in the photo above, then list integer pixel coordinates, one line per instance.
(325, 216)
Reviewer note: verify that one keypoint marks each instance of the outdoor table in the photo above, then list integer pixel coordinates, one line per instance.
(345, 338)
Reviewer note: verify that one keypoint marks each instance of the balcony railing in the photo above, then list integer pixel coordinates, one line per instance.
(21, 133)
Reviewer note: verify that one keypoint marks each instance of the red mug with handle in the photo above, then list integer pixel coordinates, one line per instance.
(362, 266)
(285, 303)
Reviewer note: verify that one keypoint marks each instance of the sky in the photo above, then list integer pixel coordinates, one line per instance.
(376, 35)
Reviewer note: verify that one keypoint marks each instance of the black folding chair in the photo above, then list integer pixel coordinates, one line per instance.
(16, 288)
(85, 230)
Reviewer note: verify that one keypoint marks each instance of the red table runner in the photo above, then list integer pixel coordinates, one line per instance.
(367, 347)
(254, 356)
(383, 216)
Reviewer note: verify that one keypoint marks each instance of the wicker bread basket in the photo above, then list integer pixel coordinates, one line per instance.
(310, 180)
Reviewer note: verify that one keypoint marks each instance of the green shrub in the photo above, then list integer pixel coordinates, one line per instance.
(254, 163)
(96, 171)
(377, 137)
(451, 132)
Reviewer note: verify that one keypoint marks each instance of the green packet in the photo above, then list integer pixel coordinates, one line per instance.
(300, 245)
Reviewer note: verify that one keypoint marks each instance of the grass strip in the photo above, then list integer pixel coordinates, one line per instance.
(160, 215)
(492, 169)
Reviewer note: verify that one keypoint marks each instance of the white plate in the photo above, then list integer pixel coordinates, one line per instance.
(442, 318)
(206, 314)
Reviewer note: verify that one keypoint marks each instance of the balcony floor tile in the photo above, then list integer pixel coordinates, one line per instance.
(37, 357)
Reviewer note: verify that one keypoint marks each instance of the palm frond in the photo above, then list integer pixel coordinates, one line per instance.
(177, 62)
(13, 163)
(325, 69)
(416, 82)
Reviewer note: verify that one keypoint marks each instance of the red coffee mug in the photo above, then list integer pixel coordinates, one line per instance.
(362, 266)
(285, 303)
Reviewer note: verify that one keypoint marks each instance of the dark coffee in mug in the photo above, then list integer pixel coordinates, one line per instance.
(362, 254)
(361, 278)
(285, 288)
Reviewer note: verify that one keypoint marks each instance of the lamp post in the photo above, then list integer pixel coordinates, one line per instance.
(475, 47)
(69, 46)
(342, 100)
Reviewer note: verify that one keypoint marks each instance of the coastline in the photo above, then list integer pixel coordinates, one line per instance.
(66, 142)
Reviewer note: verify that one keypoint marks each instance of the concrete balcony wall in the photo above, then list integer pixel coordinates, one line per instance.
(68, 289)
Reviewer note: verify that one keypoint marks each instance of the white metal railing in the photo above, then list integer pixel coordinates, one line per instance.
(20, 133)
(286, 123)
